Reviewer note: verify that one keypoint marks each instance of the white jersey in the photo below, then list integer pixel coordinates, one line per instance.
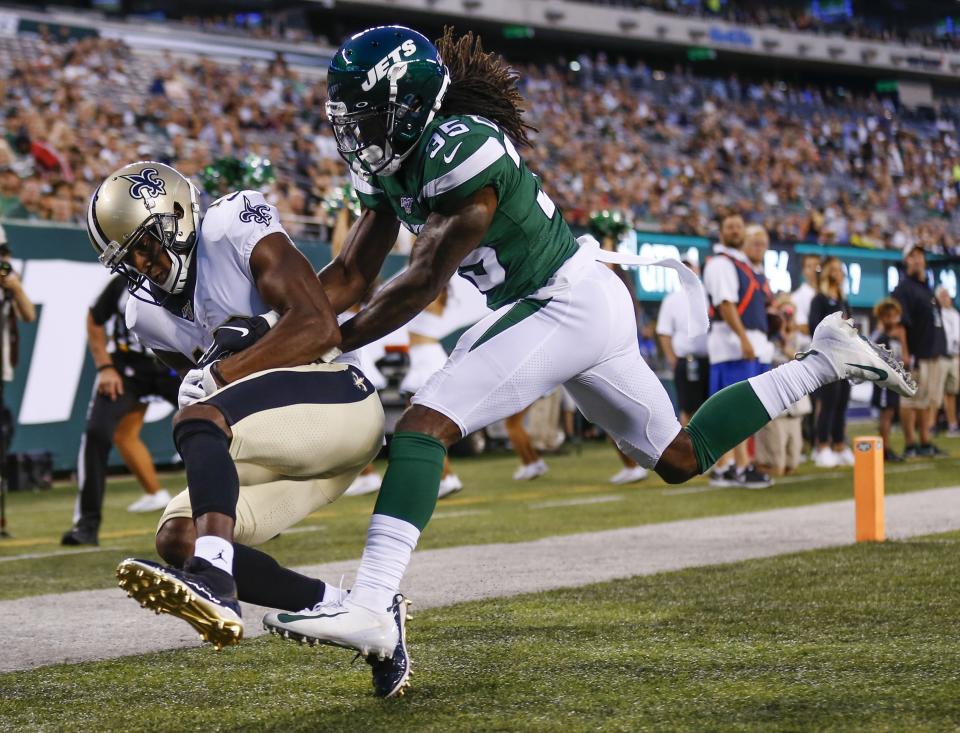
(232, 226)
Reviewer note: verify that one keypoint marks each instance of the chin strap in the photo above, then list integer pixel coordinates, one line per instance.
(697, 321)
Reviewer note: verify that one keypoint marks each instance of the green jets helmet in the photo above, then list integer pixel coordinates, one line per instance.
(384, 87)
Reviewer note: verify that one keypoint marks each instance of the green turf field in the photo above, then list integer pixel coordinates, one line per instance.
(573, 497)
(861, 638)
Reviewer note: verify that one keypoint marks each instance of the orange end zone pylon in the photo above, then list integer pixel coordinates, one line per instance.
(868, 488)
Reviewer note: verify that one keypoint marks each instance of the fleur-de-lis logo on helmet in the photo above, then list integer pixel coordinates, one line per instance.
(146, 183)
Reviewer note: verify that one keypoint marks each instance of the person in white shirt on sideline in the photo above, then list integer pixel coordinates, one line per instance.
(951, 327)
(803, 295)
(738, 332)
(687, 357)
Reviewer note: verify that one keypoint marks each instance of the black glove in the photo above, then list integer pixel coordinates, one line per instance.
(236, 334)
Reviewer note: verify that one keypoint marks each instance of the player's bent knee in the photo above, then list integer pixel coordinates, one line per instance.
(421, 419)
(678, 463)
(175, 540)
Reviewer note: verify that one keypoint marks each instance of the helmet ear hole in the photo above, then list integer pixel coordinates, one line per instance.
(178, 210)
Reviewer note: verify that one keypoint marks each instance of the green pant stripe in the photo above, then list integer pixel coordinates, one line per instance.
(521, 310)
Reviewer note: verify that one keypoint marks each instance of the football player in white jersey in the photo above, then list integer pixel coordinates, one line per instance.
(267, 431)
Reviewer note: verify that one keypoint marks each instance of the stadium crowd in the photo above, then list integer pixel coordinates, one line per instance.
(871, 26)
(821, 165)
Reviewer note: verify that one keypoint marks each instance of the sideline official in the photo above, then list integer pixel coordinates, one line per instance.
(127, 373)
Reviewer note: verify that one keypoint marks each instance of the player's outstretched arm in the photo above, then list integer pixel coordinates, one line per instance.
(351, 274)
(445, 240)
(307, 327)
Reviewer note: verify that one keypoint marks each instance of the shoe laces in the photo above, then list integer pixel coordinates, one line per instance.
(321, 605)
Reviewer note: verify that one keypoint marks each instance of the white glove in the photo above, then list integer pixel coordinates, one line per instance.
(197, 384)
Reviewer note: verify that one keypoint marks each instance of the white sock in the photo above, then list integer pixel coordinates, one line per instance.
(216, 551)
(781, 387)
(390, 542)
(333, 594)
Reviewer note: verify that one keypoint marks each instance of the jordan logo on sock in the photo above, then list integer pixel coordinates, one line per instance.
(219, 556)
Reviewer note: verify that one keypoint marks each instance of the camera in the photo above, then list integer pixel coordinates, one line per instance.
(5, 269)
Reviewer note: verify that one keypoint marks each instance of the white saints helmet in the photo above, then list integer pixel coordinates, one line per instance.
(146, 206)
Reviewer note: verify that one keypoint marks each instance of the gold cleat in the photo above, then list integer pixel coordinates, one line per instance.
(184, 595)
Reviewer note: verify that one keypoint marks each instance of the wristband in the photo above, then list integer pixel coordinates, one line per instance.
(105, 366)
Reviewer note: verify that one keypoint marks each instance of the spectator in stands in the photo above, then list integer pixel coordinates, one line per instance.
(686, 357)
(127, 374)
(9, 191)
(928, 346)
(779, 443)
(831, 400)
(951, 330)
(889, 333)
(738, 332)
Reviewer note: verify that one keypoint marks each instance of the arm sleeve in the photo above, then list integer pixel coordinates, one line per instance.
(107, 304)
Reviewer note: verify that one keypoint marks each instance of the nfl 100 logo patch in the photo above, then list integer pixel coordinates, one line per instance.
(406, 203)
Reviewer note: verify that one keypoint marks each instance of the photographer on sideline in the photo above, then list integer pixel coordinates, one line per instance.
(16, 306)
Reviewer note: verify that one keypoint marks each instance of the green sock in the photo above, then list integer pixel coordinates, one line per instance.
(726, 419)
(410, 486)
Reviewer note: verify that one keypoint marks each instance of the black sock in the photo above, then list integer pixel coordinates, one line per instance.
(263, 581)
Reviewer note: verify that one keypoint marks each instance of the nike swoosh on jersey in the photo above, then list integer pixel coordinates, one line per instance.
(453, 154)
(244, 332)
(881, 374)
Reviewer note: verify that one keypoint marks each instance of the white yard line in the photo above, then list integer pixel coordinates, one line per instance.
(459, 513)
(58, 553)
(557, 503)
(102, 624)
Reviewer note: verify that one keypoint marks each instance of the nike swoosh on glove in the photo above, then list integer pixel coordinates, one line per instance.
(236, 334)
(197, 384)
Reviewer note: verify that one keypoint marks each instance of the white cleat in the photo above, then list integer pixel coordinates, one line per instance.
(345, 624)
(151, 502)
(627, 475)
(449, 484)
(858, 359)
(368, 483)
(530, 471)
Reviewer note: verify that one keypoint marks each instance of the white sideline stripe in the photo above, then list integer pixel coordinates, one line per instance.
(459, 513)
(44, 629)
(576, 502)
(308, 528)
(59, 553)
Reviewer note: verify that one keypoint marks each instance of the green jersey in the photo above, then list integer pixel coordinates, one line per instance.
(457, 156)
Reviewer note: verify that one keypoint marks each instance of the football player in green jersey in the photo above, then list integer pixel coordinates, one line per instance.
(431, 134)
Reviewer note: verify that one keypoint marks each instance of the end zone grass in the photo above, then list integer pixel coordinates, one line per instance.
(860, 638)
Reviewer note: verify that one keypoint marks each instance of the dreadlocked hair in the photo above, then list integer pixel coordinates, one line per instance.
(481, 83)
